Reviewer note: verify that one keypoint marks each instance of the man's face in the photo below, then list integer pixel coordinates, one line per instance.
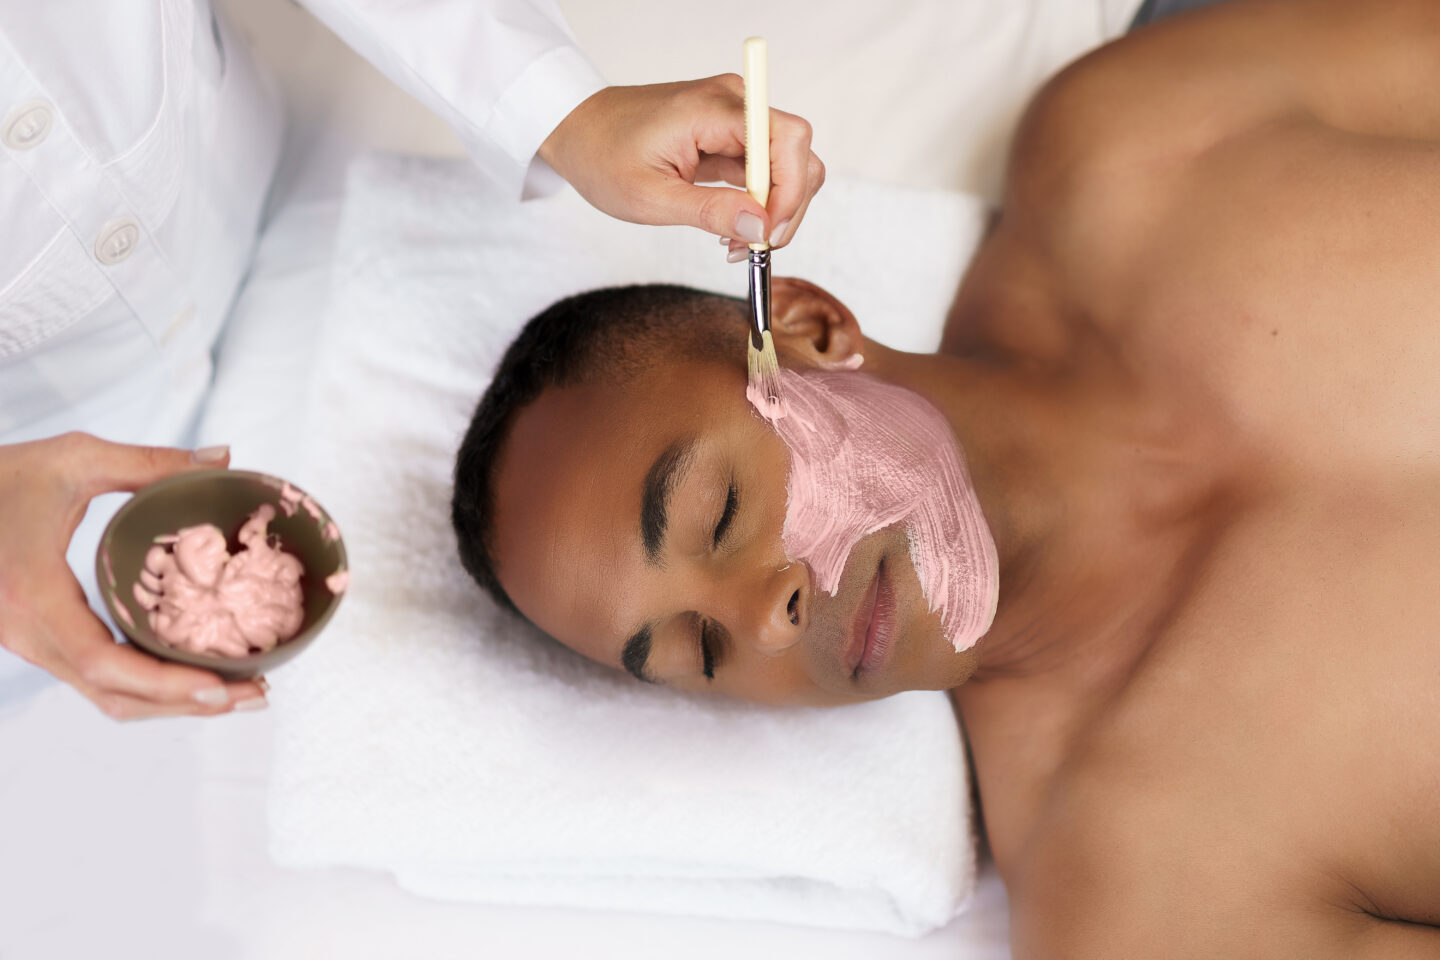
(654, 512)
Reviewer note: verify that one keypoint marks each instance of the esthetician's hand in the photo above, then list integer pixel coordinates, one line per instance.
(637, 153)
(45, 488)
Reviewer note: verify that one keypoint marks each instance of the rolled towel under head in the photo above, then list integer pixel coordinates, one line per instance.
(434, 737)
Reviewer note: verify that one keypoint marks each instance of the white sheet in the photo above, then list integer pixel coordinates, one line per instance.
(100, 823)
(149, 841)
(429, 734)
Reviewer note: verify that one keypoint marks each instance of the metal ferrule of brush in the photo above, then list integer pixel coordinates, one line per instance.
(759, 295)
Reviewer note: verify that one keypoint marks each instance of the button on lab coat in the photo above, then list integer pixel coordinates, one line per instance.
(138, 139)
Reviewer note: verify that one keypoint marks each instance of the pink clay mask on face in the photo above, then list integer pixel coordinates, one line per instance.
(866, 455)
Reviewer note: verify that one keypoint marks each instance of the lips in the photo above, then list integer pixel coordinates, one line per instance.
(874, 626)
(860, 630)
(881, 632)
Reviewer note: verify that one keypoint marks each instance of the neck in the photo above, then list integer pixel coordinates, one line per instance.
(1040, 451)
(1090, 489)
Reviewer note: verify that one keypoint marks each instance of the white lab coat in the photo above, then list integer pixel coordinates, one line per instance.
(137, 143)
(138, 140)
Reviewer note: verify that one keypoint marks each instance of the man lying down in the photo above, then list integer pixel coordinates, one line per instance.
(1186, 397)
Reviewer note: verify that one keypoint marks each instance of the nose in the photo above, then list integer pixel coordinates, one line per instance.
(779, 608)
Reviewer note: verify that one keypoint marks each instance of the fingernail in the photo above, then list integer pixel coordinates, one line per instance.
(735, 256)
(212, 696)
(853, 362)
(263, 684)
(778, 232)
(750, 228)
(724, 241)
(210, 454)
(254, 703)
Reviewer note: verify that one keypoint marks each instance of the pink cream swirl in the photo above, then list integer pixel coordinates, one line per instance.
(203, 599)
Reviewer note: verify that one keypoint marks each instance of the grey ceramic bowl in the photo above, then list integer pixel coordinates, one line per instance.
(225, 498)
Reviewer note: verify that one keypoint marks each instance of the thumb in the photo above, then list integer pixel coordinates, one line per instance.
(723, 211)
(105, 466)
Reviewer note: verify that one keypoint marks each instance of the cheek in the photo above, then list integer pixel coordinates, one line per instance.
(866, 455)
(786, 685)
(764, 491)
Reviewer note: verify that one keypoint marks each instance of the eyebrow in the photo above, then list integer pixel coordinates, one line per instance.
(636, 653)
(660, 483)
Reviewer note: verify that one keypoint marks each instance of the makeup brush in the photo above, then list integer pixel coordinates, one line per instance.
(764, 387)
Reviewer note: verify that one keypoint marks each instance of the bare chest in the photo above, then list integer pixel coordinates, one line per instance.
(1292, 276)
(1278, 751)
(1281, 744)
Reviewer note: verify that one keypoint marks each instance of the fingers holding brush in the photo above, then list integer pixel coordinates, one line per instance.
(796, 174)
(642, 154)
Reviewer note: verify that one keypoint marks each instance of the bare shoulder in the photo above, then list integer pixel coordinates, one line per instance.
(1166, 94)
(1149, 875)
(1244, 199)
(1145, 99)
(1113, 869)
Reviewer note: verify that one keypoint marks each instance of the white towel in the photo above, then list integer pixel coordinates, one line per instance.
(429, 735)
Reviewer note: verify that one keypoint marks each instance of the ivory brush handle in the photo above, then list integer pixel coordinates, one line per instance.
(757, 125)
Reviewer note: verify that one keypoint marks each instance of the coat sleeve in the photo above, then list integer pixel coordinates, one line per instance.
(501, 73)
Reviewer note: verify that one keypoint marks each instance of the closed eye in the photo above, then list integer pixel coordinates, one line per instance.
(707, 633)
(732, 500)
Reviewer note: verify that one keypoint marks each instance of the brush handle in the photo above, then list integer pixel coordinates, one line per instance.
(757, 125)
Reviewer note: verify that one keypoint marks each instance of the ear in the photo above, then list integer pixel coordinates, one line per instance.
(811, 328)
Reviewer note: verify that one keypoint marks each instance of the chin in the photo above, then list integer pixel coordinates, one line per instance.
(919, 655)
(940, 667)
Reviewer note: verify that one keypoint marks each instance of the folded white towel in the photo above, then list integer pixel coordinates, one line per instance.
(432, 736)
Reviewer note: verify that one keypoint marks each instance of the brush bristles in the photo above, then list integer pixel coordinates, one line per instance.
(764, 388)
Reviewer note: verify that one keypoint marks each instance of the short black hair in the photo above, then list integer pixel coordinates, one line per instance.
(610, 333)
